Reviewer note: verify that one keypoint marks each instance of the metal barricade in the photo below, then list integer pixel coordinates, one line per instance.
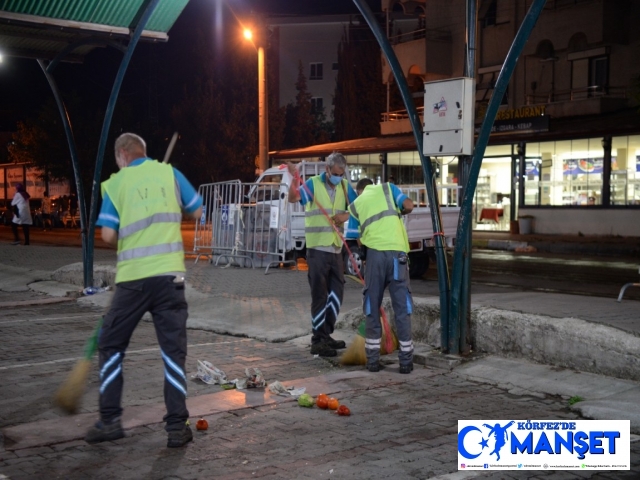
(214, 197)
(248, 224)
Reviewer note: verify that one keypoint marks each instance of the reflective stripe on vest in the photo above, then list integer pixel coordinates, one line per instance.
(381, 227)
(146, 222)
(149, 237)
(390, 212)
(141, 252)
(318, 231)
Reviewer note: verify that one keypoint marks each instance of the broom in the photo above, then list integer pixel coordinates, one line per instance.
(70, 392)
(355, 354)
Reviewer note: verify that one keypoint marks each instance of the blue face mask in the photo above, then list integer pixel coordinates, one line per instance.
(335, 179)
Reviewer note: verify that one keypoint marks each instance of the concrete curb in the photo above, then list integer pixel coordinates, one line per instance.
(563, 342)
(597, 249)
(604, 398)
(104, 274)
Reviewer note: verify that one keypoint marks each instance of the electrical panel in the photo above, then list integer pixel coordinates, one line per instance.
(448, 117)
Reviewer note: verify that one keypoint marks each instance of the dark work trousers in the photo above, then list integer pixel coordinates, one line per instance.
(326, 279)
(25, 230)
(165, 299)
(384, 269)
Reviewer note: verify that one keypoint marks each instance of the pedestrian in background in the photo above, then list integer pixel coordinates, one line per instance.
(73, 205)
(21, 214)
(65, 206)
(378, 211)
(46, 210)
(141, 213)
(324, 248)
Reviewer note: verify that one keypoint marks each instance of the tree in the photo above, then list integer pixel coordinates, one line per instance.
(359, 97)
(300, 119)
(41, 141)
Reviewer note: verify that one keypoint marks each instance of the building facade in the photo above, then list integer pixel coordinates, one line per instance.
(313, 43)
(565, 147)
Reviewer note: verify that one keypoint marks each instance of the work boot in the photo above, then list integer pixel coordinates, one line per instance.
(104, 433)
(323, 349)
(406, 368)
(373, 367)
(179, 438)
(336, 344)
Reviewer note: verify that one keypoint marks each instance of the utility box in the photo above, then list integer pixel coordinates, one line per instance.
(448, 117)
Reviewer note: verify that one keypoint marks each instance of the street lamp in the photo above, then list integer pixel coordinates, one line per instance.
(263, 119)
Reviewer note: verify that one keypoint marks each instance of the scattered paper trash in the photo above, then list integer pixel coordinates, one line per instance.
(278, 389)
(254, 379)
(210, 374)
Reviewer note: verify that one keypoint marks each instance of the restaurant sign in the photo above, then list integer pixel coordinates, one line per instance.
(520, 120)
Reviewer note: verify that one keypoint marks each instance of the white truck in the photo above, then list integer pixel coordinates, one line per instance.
(418, 223)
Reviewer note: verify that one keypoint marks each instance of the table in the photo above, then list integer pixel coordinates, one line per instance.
(491, 214)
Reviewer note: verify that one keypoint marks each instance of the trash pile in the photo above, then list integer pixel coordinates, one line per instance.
(254, 378)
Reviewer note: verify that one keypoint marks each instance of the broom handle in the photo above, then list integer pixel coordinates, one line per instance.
(385, 322)
(92, 342)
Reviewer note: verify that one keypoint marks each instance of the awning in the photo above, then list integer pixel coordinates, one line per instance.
(43, 29)
(625, 122)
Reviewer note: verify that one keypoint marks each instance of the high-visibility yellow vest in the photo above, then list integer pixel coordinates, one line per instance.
(318, 231)
(149, 238)
(381, 226)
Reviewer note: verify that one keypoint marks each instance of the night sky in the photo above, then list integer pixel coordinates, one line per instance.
(23, 88)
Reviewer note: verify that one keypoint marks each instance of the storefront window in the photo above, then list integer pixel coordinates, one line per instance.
(568, 172)
(557, 173)
(625, 170)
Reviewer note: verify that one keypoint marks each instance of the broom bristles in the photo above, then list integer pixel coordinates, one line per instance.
(356, 355)
(70, 392)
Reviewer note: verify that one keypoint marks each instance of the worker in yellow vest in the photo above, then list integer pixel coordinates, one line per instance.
(378, 211)
(141, 214)
(324, 248)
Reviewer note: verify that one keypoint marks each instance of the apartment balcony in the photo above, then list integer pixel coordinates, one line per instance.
(592, 100)
(398, 122)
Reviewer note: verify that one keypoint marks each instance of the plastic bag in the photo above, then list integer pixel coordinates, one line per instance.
(254, 379)
(278, 389)
(210, 374)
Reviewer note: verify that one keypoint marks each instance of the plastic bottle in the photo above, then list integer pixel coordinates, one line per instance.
(93, 290)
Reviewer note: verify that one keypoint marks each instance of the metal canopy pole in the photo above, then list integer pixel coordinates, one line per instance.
(144, 14)
(66, 123)
(427, 170)
(464, 222)
(464, 167)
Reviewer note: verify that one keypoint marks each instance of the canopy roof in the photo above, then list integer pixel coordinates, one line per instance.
(43, 29)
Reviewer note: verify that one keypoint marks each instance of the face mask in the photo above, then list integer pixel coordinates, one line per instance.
(335, 179)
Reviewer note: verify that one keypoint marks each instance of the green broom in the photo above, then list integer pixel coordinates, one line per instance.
(70, 392)
(355, 354)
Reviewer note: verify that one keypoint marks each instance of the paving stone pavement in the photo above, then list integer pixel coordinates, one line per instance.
(402, 427)
(399, 429)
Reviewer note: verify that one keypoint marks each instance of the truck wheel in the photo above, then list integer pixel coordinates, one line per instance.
(418, 264)
(357, 257)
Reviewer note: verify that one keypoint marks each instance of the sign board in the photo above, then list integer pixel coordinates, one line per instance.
(520, 125)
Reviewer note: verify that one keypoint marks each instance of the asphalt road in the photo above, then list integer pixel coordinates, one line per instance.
(491, 270)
